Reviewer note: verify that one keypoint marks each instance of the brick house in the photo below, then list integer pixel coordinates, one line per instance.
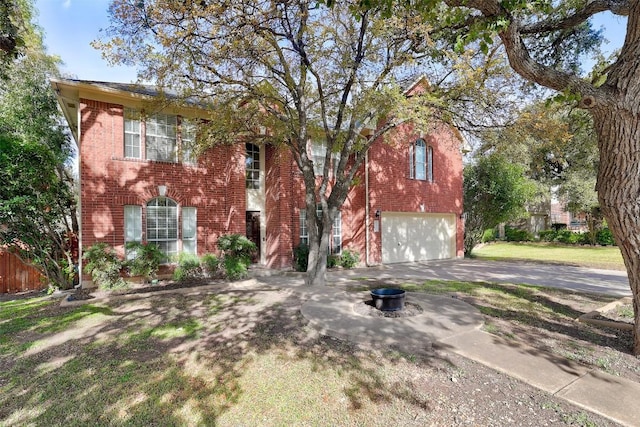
(139, 181)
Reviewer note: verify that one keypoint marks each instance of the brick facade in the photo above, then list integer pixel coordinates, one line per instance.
(215, 186)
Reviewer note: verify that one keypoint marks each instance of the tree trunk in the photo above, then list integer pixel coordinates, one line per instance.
(619, 191)
(319, 229)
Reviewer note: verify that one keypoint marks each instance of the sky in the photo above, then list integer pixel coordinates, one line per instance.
(70, 26)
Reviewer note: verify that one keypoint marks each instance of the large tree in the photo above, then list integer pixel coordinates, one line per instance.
(495, 190)
(539, 39)
(557, 147)
(300, 70)
(37, 201)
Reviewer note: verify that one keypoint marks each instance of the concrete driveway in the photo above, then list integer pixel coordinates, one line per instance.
(609, 282)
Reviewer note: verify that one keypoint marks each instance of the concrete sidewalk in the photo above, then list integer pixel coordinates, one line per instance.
(607, 395)
(452, 325)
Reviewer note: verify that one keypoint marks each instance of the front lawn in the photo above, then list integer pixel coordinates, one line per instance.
(605, 257)
(246, 357)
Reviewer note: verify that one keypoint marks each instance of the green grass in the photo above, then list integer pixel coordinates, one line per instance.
(242, 358)
(606, 257)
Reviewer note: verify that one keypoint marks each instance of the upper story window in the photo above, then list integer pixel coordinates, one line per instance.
(155, 137)
(252, 166)
(132, 147)
(160, 139)
(421, 161)
(188, 136)
(319, 153)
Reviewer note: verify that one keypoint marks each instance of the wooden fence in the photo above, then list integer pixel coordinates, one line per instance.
(16, 276)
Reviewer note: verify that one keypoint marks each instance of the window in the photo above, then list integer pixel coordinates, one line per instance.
(336, 241)
(421, 161)
(132, 134)
(162, 225)
(430, 164)
(132, 227)
(160, 138)
(304, 232)
(335, 246)
(252, 166)
(189, 230)
(188, 140)
(318, 153)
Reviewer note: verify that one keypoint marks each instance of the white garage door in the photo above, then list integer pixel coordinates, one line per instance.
(412, 236)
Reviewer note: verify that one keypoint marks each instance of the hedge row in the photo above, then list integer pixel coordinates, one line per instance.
(603, 237)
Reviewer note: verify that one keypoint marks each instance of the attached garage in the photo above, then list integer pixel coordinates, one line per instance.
(410, 236)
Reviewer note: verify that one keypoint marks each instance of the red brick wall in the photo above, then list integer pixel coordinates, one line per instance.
(215, 186)
(391, 189)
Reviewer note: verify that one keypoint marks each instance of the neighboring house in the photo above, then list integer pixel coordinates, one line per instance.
(140, 182)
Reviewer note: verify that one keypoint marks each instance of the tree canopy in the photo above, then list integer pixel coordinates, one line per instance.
(541, 40)
(306, 73)
(495, 190)
(37, 203)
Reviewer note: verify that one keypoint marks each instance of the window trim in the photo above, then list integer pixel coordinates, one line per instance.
(186, 212)
(318, 156)
(183, 136)
(132, 116)
(252, 151)
(155, 231)
(336, 225)
(133, 218)
(421, 161)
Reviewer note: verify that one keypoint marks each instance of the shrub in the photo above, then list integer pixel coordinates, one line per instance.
(349, 258)
(210, 264)
(568, 237)
(517, 235)
(237, 250)
(489, 235)
(604, 237)
(146, 261)
(547, 235)
(235, 267)
(333, 261)
(237, 245)
(301, 257)
(104, 266)
(585, 239)
(188, 267)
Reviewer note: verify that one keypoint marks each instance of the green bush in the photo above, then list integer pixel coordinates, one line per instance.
(349, 258)
(333, 260)
(547, 235)
(517, 235)
(235, 267)
(146, 261)
(237, 251)
(188, 267)
(237, 245)
(210, 264)
(104, 266)
(301, 257)
(604, 237)
(489, 235)
(567, 237)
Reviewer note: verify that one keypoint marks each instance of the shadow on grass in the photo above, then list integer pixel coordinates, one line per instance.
(530, 308)
(180, 359)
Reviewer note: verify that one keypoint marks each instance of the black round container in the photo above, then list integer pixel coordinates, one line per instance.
(388, 299)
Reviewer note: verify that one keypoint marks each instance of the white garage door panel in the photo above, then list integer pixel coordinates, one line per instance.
(417, 237)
